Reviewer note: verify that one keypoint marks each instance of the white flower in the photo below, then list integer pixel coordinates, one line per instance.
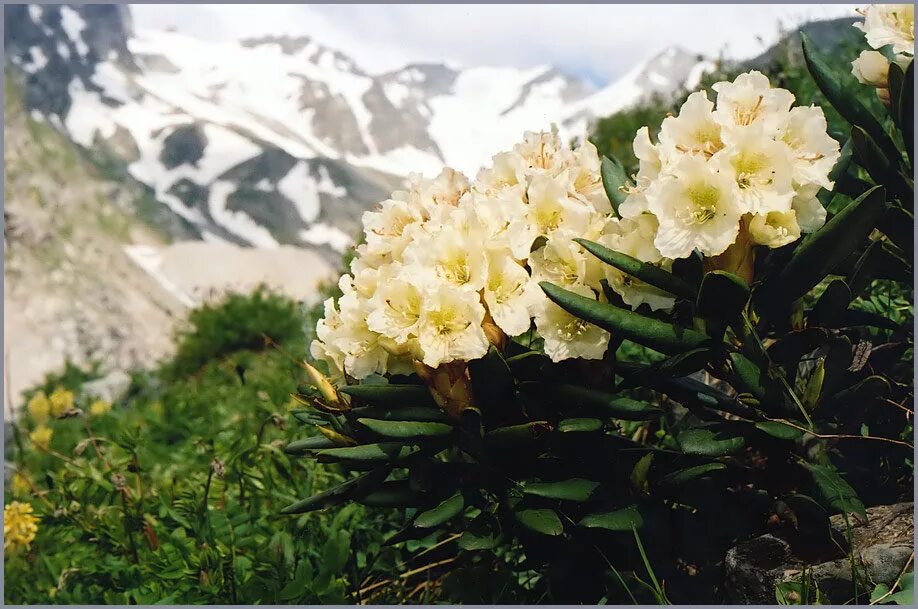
(451, 255)
(586, 180)
(564, 262)
(450, 326)
(750, 99)
(385, 227)
(693, 131)
(893, 24)
(810, 213)
(634, 237)
(815, 153)
(775, 228)
(543, 150)
(510, 294)
(697, 209)
(871, 68)
(567, 336)
(395, 310)
(549, 208)
(762, 169)
(446, 189)
(649, 168)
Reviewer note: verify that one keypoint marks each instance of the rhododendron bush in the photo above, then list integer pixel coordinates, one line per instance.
(478, 369)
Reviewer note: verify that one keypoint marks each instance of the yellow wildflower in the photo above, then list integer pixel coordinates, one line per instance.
(20, 484)
(99, 407)
(41, 436)
(39, 407)
(19, 526)
(61, 401)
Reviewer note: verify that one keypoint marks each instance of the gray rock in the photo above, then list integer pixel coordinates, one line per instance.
(881, 547)
(109, 387)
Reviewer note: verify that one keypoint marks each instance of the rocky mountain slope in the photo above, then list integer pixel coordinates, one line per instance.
(279, 140)
(86, 280)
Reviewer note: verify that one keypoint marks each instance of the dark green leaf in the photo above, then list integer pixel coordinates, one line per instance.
(391, 395)
(819, 255)
(690, 473)
(619, 520)
(308, 445)
(748, 377)
(382, 451)
(832, 304)
(483, 533)
(722, 295)
(542, 521)
(518, 434)
(839, 90)
(707, 442)
(779, 430)
(575, 489)
(426, 414)
(579, 425)
(406, 429)
(397, 493)
(646, 272)
(835, 490)
(618, 406)
(658, 335)
(354, 488)
(882, 169)
(441, 513)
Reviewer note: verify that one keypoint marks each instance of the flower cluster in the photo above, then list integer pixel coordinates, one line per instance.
(885, 25)
(19, 526)
(744, 168)
(449, 266)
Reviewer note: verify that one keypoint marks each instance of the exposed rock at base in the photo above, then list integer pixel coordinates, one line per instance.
(881, 547)
(109, 388)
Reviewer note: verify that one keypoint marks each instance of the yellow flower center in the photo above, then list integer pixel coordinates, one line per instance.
(703, 200)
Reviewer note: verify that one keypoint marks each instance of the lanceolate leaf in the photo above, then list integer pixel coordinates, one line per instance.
(722, 295)
(354, 488)
(618, 406)
(308, 445)
(830, 82)
(544, 521)
(391, 395)
(397, 493)
(483, 533)
(427, 414)
(441, 513)
(882, 170)
(835, 490)
(658, 335)
(907, 112)
(613, 179)
(648, 273)
(748, 376)
(708, 442)
(618, 520)
(579, 425)
(406, 429)
(830, 245)
(690, 473)
(575, 489)
(779, 430)
(383, 451)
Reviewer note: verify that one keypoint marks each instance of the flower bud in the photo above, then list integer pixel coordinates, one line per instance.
(322, 384)
(871, 68)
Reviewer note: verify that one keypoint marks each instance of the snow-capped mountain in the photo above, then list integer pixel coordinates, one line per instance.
(280, 140)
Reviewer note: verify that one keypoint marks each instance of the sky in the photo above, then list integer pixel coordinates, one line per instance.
(599, 42)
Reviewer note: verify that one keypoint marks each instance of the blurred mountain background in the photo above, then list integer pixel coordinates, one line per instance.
(148, 170)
